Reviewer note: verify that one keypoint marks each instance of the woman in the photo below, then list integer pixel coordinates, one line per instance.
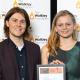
(62, 46)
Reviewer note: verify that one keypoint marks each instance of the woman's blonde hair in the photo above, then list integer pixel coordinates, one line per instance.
(53, 40)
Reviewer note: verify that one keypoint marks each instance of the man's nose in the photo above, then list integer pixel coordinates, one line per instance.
(18, 23)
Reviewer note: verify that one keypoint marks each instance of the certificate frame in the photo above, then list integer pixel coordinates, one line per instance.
(51, 72)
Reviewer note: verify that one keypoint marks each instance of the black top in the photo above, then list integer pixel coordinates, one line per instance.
(71, 59)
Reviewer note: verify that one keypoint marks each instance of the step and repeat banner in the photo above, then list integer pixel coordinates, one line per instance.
(74, 7)
(39, 13)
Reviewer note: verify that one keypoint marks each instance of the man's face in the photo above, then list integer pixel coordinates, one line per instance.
(16, 25)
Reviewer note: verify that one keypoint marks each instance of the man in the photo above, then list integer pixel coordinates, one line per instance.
(18, 57)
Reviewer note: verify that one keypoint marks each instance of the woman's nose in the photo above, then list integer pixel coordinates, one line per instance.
(64, 26)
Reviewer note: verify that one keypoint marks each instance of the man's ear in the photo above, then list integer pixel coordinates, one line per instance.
(7, 23)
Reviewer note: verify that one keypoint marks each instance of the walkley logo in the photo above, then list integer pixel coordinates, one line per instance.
(78, 7)
(15, 3)
(32, 15)
(78, 4)
(35, 15)
(78, 27)
(2, 15)
(41, 39)
(21, 3)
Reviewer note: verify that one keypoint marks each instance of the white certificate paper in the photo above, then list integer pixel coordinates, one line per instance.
(51, 72)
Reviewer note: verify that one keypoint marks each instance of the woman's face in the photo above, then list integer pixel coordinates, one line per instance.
(65, 26)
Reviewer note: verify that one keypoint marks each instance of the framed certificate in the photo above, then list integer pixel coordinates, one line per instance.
(51, 72)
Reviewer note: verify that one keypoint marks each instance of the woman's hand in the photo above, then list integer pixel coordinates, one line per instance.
(56, 62)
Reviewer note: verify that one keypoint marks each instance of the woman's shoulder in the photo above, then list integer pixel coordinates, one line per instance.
(44, 54)
(44, 50)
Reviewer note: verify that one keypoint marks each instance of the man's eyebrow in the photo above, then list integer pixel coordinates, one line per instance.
(17, 19)
(13, 18)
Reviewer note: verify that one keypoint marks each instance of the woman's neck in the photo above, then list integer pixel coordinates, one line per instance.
(67, 44)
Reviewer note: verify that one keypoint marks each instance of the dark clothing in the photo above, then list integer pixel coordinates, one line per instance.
(71, 59)
(10, 64)
(21, 58)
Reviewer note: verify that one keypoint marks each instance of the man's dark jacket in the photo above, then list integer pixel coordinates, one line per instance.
(8, 62)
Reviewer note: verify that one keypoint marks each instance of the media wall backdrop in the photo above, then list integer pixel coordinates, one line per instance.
(39, 13)
(74, 7)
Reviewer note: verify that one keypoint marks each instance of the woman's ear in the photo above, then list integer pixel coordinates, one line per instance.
(7, 23)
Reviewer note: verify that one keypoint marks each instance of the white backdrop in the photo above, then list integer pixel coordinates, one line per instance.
(74, 7)
(39, 13)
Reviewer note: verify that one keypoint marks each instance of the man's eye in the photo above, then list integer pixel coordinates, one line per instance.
(14, 20)
(23, 21)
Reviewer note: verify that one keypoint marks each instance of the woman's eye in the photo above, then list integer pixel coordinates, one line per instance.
(68, 24)
(59, 25)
